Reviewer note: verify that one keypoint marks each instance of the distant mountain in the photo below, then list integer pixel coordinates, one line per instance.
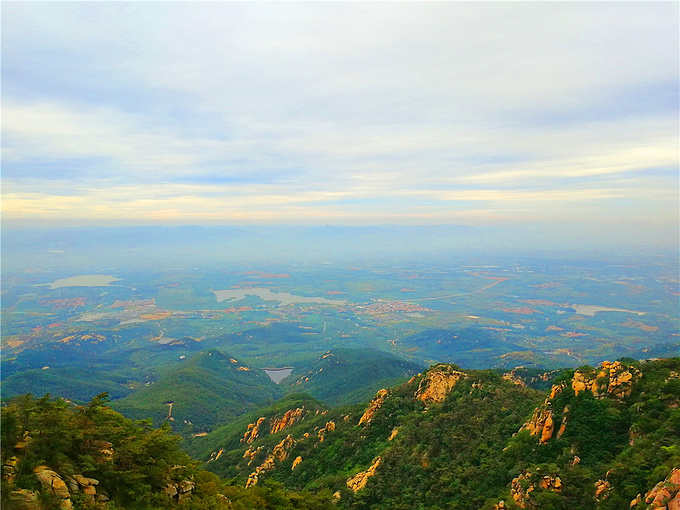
(350, 376)
(207, 389)
(475, 347)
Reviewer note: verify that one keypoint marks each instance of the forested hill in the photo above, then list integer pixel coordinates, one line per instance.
(605, 437)
(453, 438)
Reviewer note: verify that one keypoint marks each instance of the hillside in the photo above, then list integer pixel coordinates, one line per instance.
(207, 389)
(452, 438)
(350, 376)
(56, 455)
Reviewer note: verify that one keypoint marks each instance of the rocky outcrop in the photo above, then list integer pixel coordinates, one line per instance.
(437, 383)
(602, 488)
(373, 406)
(541, 422)
(513, 378)
(330, 427)
(250, 453)
(358, 482)
(613, 380)
(55, 485)
(665, 495)
(287, 420)
(253, 431)
(522, 487)
(280, 453)
(181, 491)
(9, 469)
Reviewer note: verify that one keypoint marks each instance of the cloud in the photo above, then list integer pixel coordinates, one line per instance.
(341, 112)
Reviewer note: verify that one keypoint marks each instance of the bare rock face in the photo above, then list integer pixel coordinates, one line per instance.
(666, 494)
(280, 453)
(541, 422)
(602, 488)
(9, 469)
(180, 491)
(359, 481)
(374, 405)
(521, 491)
(437, 383)
(251, 453)
(253, 431)
(330, 427)
(613, 380)
(287, 420)
(514, 379)
(51, 481)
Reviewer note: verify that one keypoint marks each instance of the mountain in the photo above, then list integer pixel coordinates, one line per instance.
(207, 389)
(474, 347)
(452, 438)
(60, 456)
(350, 376)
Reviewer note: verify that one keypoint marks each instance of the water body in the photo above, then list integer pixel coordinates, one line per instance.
(86, 280)
(278, 374)
(267, 295)
(591, 310)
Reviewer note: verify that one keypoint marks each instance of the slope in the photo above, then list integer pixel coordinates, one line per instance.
(470, 439)
(350, 376)
(209, 388)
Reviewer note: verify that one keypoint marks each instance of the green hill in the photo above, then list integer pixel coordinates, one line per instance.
(452, 438)
(350, 376)
(207, 389)
(56, 456)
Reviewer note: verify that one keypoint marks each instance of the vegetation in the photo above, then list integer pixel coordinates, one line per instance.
(350, 376)
(144, 461)
(206, 390)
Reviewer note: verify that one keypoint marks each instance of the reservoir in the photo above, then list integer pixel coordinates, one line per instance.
(267, 295)
(278, 374)
(86, 280)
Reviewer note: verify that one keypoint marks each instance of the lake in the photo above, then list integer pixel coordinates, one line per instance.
(267, 295)
(591, 310)
(278, 374)
(86, 280)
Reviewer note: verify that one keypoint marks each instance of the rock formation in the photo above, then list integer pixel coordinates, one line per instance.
(330, 427)
(374, 405)
(253, 431)
(665, 495)
(613, 380)
(280, 453)
(181, 491)
(359, 481)
(55, 485)
(437, 383)
(602, 488)
(521, 492)
(287, 420)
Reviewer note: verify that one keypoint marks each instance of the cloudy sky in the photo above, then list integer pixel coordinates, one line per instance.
(467, 113)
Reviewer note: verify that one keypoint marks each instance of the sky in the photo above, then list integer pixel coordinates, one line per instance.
(561, 116)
